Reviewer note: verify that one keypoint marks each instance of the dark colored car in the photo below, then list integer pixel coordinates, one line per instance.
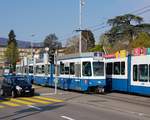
(16, 86)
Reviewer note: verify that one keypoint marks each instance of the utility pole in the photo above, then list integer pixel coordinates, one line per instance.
(56, 72)
(80, 25)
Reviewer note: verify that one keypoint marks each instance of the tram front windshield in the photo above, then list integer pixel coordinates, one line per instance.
(98, 68)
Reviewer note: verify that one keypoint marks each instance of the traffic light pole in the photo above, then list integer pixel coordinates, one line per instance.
(56, 72)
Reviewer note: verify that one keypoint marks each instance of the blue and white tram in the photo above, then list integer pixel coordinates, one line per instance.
(18, 69)
(117, 74)
(42, 74)
(82, 73)
(140, 74)
(129, 74)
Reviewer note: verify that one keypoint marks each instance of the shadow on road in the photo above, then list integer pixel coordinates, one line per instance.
(3, 98)
(32, 111)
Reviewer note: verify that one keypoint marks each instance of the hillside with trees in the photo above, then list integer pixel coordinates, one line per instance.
(127, 32)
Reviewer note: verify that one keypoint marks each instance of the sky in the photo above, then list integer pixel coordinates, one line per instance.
(33, 20)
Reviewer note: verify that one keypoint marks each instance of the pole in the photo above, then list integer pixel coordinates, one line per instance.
(80, 27)
(56, 72)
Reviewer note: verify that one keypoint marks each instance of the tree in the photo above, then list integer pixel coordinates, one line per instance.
(104, 43)
(12, 53)
(51, 41)
(125, 29)
(88, 40)
(97, 48)
(72, 45)
(143, 40)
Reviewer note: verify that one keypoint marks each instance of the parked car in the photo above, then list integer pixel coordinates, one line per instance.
(16, 86)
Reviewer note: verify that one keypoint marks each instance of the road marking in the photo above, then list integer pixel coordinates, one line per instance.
(22, 101)
(1, 106)
(10, 104)
(37, 108)
(49, 99)
(68, 118)
(35, 100)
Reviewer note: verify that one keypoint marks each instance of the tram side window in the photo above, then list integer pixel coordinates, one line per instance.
(30, 69)
(18, 70)
(57, 70)
(49, 69)
(86, 69)
(43, 69)
(26, 69)
(46, 69)
(77, 70)
(61, 68)
(66, 70)
(38, 69)
(149, 73)
(143, 72)
(135, 73)
(98, 68)
(116, 68)
(72, 68)
(122, 68)
(109, 69)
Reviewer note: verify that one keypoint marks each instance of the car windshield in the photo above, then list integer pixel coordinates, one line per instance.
(20, 80)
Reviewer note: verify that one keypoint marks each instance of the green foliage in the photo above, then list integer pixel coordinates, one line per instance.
(124, 30)
(143, 40)
(88, 40)
(122, 26)
(51, 41)
(12, 53)
(97, 48)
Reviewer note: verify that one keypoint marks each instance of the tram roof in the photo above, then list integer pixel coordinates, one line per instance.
(81, 55)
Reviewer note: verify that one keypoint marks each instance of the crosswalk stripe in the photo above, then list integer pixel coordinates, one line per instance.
(49, 99)
(1, 106)
(10, 103)
(22, 101)
(35, 100)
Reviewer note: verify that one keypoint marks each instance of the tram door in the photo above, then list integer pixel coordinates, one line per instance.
(109, 67)
(77, 83)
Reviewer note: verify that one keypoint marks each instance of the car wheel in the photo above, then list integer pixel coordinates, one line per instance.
(13, 94)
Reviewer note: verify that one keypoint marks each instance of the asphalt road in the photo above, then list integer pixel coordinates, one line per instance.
(78, 106)
(62, 111)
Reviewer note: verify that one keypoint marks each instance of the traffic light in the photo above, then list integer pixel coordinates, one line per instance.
(51, 58)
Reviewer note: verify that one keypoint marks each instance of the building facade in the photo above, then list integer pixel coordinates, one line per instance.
(22, 53)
